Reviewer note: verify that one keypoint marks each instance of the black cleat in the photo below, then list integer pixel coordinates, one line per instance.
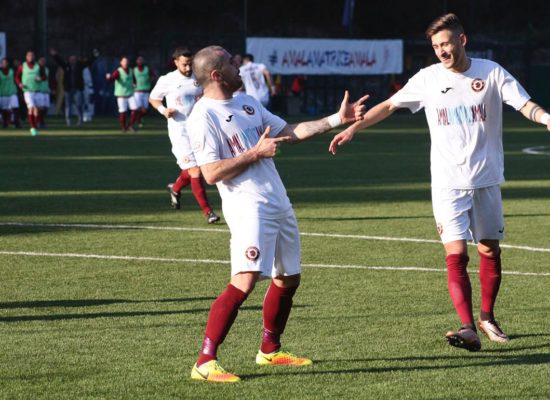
(464, 338)
(212, 218)
(174, 197)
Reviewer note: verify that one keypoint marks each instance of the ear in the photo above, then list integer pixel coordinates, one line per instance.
(215, 75)
(463, 39)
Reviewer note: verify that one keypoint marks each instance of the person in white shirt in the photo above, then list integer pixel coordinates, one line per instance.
(234, 140)
(257, 80)
(462, 98)
(181, 91)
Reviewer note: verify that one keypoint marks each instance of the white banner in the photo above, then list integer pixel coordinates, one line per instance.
(327, 56)
(2, 45)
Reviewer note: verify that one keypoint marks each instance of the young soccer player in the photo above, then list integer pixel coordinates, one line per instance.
(462, 98)
(9, 103)
(124, 93)
(28, 78)
(143, 77)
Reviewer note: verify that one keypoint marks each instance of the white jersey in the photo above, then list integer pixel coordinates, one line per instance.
(464, 114)
(254, 81)
(181, 93)
(224, 129)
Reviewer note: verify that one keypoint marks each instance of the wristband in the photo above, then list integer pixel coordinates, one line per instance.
(161, 109)
(544, 118)
(334, 120)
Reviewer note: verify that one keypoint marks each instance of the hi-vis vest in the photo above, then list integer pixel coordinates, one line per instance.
(124, 84)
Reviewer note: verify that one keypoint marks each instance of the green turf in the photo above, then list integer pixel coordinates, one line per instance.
(95, 328)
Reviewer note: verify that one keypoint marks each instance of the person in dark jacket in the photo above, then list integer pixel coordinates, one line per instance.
(73, 82)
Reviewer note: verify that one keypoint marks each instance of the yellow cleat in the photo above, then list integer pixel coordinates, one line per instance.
(281, 358)
(211, 371)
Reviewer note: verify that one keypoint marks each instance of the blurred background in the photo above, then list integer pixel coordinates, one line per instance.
(515, 34)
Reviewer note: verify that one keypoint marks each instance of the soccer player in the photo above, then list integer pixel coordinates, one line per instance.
(28, 78)
(181, 91)
(124, 93)
(143, 77)
(9, 103)
(462, 98)
(234, 140)
(257, 80)
(43, 93)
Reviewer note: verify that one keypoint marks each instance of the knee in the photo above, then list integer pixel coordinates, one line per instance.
(194, 172)
(245, 281)
(488, 249)
(292, 281)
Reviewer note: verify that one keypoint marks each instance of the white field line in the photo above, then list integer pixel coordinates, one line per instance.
(537, 150)
(225, 262)
(193, 229)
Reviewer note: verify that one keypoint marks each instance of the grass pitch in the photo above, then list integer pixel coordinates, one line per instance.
(105, 290)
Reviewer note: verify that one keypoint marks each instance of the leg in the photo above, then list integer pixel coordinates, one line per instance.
(458, 281)
(223, 312)
(277, 306)
(197, 186)
(490, 275)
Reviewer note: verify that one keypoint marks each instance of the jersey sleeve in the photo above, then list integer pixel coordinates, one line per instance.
(512, 92)
(268, 119)
(160, 90)
(204, 141)
(411, 96)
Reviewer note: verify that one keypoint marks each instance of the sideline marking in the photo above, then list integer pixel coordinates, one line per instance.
(225, 262)
(537, 150)
(187, 229)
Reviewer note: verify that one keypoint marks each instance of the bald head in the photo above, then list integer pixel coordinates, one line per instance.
(207, 60)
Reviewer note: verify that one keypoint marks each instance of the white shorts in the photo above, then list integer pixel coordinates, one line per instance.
(31, 99)
(42, 100)
(9, 102)
(270, 246)
(126, 102)
(473, 214)
(181, 147)
(142, 99)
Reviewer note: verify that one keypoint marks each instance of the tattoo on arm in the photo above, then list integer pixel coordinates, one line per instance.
(533, 113)
(305, 130)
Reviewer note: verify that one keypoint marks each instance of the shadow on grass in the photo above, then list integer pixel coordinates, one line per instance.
(91, 302)
(451, 363)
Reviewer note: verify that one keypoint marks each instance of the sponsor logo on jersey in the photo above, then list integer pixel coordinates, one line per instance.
(252, 253)
(478, 84)
(229, 118)
(446, 90)
(461, 115)
(248, 109)
(196, 83)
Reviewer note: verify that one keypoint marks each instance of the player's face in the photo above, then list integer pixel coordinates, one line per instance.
(4, 64)
(72, 60)
(230, 74)
(449, 47)
(183, 64)
(42, 61)
(124, 62)
(140, 61)
(29, 57)
(237, 60)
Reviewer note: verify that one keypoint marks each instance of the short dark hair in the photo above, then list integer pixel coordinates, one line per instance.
(447, 21)
(181, 51)
(248, 56)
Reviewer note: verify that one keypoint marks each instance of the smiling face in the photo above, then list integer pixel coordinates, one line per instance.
(449, 47)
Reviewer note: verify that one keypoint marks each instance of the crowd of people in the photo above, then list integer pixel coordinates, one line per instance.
(26, 89)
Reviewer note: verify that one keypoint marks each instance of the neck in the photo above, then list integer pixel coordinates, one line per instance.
(217, 92)
(463, 65)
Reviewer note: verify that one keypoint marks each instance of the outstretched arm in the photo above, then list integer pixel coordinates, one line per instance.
(532, 111)
(348, 113)
(376, 114)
